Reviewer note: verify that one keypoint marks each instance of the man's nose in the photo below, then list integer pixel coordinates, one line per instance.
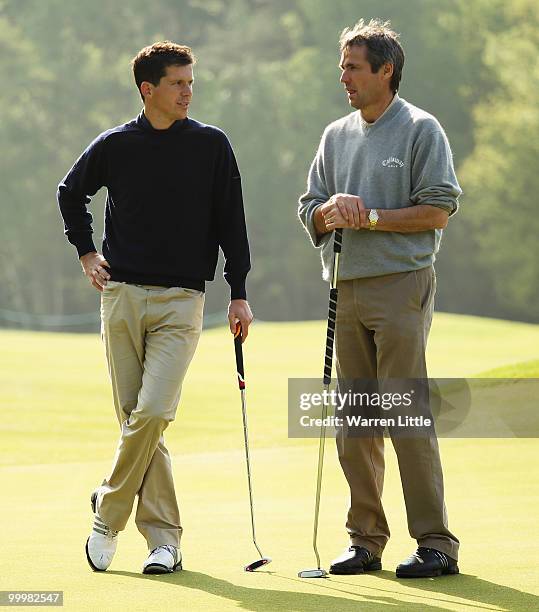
(344, 77)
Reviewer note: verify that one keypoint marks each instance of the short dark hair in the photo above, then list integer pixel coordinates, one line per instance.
(383, 46)
(150, 64)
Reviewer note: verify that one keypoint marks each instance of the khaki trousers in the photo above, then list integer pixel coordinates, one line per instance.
(382, 329)
(150, 335)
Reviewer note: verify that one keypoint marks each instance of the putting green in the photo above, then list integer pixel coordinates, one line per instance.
(59, 434)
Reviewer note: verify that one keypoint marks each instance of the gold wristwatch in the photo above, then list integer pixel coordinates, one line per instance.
(373, 219)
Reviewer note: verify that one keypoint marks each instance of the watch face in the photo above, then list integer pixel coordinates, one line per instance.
(373, 216)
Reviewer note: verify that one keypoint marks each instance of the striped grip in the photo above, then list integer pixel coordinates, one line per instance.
(337, 240)
(330, 337)
(239, 356)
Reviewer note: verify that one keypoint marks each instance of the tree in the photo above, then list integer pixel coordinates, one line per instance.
(501, 174)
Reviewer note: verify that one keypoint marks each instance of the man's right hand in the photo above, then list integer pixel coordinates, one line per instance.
(94, 266)
(341, 210)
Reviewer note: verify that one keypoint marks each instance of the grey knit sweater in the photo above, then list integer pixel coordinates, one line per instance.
(400, 160)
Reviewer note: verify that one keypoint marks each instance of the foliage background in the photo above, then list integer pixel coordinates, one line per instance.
(267, 74)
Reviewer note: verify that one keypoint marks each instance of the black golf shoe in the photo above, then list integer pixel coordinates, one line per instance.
(427, 563)
(355, 560)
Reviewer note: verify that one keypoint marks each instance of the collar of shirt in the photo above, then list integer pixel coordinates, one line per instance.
(142, 121)
(389, 112)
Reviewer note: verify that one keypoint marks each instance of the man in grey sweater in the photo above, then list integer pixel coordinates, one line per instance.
(385, 174)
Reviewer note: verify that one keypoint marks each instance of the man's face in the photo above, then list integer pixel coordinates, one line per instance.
(362, 86)
(171, 97)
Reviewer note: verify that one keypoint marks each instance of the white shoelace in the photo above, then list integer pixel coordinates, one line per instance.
(169, 548)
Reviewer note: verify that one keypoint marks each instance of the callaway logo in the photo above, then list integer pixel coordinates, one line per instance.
(393, 162)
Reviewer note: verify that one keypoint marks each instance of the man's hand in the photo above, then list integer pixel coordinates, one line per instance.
(344, 210)
(94, 266)
(239, 310)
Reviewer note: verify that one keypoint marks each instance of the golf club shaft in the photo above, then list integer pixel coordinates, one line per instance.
(328, 366)
(248, 462)
(321, 445)
(241, 383)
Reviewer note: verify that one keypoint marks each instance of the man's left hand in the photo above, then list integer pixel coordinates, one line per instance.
(239, 310)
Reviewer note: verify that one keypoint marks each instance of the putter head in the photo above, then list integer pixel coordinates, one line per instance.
(256, 564)
(313, 573)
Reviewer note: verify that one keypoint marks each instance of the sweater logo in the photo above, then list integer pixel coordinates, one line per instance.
(393, 162)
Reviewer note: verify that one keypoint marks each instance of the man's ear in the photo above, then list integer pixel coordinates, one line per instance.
(387, 71)
(146, 89)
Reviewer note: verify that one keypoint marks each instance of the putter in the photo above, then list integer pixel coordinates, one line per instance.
(238, 336)
(328, 366)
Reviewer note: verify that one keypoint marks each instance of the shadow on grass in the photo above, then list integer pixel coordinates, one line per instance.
(270, 600)
(479, 593)
(336, 592)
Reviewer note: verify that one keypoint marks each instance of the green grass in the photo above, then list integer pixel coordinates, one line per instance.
(59, 433)
(526, 369)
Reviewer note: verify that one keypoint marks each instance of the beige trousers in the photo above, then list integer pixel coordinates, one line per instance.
(382, 328)
(150, 336)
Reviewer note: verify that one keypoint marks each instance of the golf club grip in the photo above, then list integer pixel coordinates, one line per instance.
(330, 337)
(238, 336)
(337, 240)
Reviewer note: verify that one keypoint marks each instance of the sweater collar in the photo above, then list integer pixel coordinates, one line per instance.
(142, 122)
(392, 109)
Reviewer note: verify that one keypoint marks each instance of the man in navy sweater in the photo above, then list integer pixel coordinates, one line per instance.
(174, 198)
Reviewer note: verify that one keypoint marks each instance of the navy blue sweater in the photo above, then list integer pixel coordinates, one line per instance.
(174, 197)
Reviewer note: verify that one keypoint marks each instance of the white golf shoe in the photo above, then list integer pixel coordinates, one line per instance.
(102, 543)
(163, 560)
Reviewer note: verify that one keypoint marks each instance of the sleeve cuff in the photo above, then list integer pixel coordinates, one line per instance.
(451, 209)
(237, 289)
(83, 242)
(317, 240)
